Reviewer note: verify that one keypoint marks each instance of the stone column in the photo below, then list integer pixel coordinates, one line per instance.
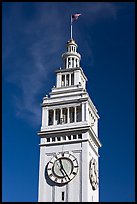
(45, 116)
(87, 112)
(66, 62)
(70, 62)
(54, 113)
(70, 79)
(77, 77)
(83, 111)
(74, 62)
(58, 82)
(61, 116)
(78, 62)
(75, 114)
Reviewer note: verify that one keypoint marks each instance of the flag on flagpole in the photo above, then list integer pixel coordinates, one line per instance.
(75, 16)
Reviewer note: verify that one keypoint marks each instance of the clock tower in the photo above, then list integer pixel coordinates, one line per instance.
(69, 159)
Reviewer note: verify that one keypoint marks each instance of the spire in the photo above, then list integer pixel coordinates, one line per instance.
(71, 58)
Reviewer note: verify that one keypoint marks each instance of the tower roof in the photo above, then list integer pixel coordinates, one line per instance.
(71, 42)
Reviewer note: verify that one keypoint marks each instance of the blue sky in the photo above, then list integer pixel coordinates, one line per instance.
(34, 36)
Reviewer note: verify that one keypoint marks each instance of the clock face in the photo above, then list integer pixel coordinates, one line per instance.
(93, 173)
(62, 168)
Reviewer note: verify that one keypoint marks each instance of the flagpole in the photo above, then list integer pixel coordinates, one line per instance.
(71, 28)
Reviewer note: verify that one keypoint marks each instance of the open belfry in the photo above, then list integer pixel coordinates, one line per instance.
(69, 159)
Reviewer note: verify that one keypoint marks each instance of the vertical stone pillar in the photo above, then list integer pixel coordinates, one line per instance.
(78, 63)
(76, 77)
(75, 114)
(54, 114)
(66, 62)
(83, 111)
(70, 62)
(70, 79)
(58, 82)
(87, 112)
(44, 116)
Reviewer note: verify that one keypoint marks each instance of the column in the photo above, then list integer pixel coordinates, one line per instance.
(77, 62)
(58, 82)
(66, 62)
(44, 116)
(75, 114)
(74, 62)
(70, 62)
(54, 113)
(87, 112)
(68, 120)
(96, 127)
(83, 111)
(77, 77)
(70, 79)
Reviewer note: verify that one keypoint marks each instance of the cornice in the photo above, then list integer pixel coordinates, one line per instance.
(61, 90)
(63, 130)
(94, 137)
(63, 102)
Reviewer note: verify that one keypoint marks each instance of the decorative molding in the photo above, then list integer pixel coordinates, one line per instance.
(63, 142)
(51, 103)
(94, 137)
(60, 129)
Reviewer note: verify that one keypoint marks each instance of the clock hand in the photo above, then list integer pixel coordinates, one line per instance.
(66, 174)
(61, 167)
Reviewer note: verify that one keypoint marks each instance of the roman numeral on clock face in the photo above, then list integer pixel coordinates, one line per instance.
(49, 169)
(51, 175)
(56, 179)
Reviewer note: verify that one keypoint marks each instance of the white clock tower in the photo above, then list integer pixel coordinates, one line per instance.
(69, 159)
